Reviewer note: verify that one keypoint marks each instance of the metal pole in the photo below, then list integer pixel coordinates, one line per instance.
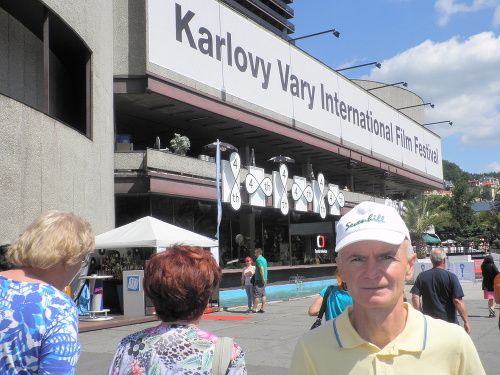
(231, 234)
(289, 238)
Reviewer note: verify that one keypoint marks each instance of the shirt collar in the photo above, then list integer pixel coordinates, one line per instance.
(412, 339)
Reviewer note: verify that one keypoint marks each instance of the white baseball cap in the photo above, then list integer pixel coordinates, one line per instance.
(370, 221)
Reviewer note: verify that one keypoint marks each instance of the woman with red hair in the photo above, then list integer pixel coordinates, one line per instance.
(179, 281)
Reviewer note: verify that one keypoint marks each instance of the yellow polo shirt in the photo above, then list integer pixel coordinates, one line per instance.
(426, 346)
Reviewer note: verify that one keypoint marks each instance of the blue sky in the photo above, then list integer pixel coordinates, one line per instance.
(447, 51)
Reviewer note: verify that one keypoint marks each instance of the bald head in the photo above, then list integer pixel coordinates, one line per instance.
(438, 256)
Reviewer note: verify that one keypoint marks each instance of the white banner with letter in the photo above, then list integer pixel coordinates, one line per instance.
(207, 42)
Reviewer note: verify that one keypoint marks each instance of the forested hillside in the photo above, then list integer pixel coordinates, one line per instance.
(452, 172)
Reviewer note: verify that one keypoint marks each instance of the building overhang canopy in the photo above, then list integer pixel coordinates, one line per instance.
(150, 107)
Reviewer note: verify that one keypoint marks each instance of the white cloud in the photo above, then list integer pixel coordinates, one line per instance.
(492, 167)
(447, 8)
(496, 17)
(461, 77)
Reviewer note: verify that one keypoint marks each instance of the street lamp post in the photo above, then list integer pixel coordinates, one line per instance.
(378, 65)
(392, 84)
(416, 105)
(333, 31)
(438, 122)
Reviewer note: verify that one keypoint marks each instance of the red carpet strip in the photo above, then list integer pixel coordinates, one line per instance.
(225, 317)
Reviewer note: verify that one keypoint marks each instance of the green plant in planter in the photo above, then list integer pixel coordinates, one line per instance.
(180, 144)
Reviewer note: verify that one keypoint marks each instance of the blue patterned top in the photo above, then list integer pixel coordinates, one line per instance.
(171, 349)
(38, 329)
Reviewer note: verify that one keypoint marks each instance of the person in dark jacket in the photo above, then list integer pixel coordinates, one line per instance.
(489, 271)
(438, 293)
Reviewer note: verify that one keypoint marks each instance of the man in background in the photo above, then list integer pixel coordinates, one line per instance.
(440, 291)
(259, 288)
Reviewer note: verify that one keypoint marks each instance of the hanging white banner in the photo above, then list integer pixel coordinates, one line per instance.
(258, 186)
(231, 181)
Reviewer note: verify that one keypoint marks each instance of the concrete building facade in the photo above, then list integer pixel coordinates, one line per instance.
(56, 112)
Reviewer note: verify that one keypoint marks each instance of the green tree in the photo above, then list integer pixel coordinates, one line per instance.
(490, 221)
(452, 172)
(461, 212)
(481, 194)
(419, 215)
(485, 195)
(496, 203)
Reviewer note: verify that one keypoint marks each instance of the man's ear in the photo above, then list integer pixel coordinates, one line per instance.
(410, 267)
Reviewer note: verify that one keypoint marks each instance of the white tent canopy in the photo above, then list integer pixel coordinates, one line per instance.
(150, 232)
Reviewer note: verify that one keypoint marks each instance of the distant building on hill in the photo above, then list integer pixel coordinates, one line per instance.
(446, 191)
(438, 192)
(485, 183)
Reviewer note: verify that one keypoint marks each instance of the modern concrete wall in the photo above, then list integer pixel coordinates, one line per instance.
(129, 18)
(46, 164)
(21, 59)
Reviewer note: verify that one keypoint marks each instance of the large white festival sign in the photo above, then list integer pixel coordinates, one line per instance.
(208, 44)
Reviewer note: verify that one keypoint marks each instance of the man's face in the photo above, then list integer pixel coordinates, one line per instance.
(375, 272)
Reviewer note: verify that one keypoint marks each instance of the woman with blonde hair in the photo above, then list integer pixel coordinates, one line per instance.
(337, 300)
(39, 323)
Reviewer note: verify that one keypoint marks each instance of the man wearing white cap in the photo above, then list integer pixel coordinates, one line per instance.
(379, 333)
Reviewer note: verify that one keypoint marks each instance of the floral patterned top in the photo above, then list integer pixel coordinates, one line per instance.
(38, 329)
(171, 349)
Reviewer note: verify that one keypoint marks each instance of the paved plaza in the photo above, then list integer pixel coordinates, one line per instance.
(268, 339)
